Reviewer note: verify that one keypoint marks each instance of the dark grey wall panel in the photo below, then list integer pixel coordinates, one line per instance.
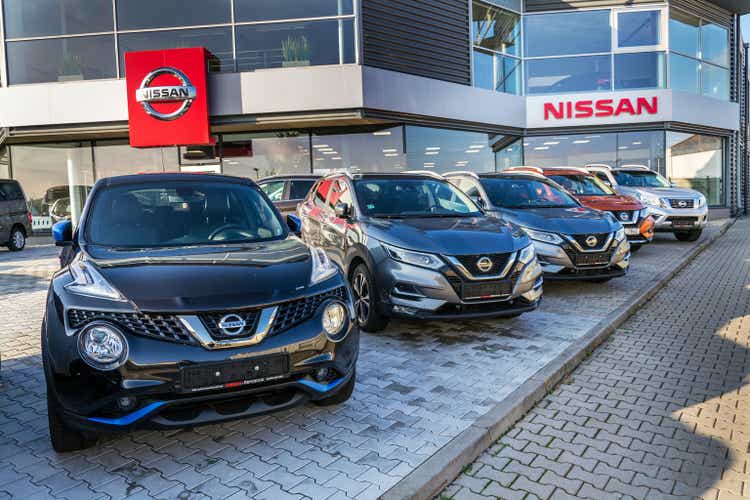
(421, 37)
(706, 10)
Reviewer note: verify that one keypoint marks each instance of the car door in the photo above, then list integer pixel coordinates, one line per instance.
(5, 209)
(314, 212)
(335, 231)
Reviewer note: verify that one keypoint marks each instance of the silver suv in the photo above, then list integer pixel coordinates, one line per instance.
(676, 210)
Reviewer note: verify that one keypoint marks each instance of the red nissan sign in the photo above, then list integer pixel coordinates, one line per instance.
(168, 97)
(587, 108)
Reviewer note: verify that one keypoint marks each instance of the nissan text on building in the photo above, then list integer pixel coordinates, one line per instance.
(91, 89)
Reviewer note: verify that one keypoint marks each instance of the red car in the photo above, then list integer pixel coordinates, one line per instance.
(591, 192)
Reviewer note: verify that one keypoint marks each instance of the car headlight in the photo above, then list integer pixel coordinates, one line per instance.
(650, 199)
(334, 319)
(645, 212)
(89, 282)
(102, 346)
(620, 234)
(700, 201)
(420, 259)
(322, 267)
(527, 254)
(543, 236)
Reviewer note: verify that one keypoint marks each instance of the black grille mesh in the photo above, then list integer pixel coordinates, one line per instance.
(164, 327)
(600, 237)
(499, 261)
(681, 203)
(297, 311)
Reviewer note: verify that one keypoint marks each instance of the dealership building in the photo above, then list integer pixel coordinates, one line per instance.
(301, 86)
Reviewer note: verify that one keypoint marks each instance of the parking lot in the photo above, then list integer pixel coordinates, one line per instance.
(419, 385)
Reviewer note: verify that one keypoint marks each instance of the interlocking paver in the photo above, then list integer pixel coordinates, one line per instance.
(662, 403)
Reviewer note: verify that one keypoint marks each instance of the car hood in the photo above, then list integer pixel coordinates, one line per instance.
(670, 192)
(206, 277)
(616, 202)
(576, 220)
(448, 235)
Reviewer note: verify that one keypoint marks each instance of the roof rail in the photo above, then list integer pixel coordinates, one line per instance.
(575, 169)
(428, 173)
(462, 172)
(599, 165)
(335, 174)
(524, 168)
(633, 166)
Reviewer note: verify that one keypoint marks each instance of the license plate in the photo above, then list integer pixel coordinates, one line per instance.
(632, 231)
(485, 290)
(592, 259)
(230, 374)
(683, 223)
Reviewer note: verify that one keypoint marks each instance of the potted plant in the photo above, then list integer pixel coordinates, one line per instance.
(295, 52)
(71, 69)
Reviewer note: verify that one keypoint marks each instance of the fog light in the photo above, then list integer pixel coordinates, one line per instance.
(103, 346)
(323, 374)
(127, 403)
(409, 311)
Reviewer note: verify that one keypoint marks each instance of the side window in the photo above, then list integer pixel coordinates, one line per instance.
(340, 194)
(321, 193)
(298, 190)
(274, 190)
(10, 191)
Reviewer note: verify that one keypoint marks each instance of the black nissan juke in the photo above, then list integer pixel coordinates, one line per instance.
(183, 300)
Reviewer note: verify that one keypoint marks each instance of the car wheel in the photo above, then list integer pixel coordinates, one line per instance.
(343, 395)
(63, 437)
(17, 240)
(365, 302)
(634, 247)
(688, 235)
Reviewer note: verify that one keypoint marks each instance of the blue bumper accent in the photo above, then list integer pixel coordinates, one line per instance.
(317, 386)
(130, 418)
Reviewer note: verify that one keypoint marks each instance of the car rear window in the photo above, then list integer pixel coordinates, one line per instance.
(181, 214)
(525, 193)
(10, 191)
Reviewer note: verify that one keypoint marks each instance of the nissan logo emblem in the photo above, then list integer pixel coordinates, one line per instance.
(183, 93)
(232, 325)
(624, 216)
(484, 264)
(682, 204)
(592, 241)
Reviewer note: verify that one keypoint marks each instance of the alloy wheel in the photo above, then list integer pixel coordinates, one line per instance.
(362, 298)
(18, 239)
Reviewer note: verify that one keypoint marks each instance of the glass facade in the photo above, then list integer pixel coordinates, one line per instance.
(496, 35)
(368, 151)
(443, 150)
(697, 162)
(64, 40)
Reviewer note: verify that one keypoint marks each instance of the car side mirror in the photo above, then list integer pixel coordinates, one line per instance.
(294, 224)
(343, 210)
(62, 233)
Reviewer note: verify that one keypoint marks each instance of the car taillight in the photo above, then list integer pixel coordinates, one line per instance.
(31, 219)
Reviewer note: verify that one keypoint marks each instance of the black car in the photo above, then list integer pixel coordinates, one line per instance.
(15, 218)
(287, 191)
(573, 242)
(188, 301)
(414, 246)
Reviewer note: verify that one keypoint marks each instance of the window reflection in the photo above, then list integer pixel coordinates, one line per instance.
(568, 74)
(684, 73)
(377, 150)
(496, 29)
(583, 32)
(260, 155)
(484, 70)
(684, 33)
(118, 158)
(714, 81)
(697, 162)
(217, 40)
(509, 156)
(640, 70)
(639, 28)
(263, 10)
(142, 14)
(27, 18)
(715, 44)
(443, 150)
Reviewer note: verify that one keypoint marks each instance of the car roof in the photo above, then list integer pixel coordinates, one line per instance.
(565, 171)
(517, 174)
(161, 177)
(290, 177)
(385, 175)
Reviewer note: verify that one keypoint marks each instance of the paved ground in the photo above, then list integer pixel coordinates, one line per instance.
(419, 385)
(661, 410)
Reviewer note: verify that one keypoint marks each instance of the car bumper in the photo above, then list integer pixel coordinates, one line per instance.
(408, 291)
(671, 219)
(557, 263)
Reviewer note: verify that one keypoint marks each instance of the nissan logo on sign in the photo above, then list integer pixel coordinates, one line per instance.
(592, 241)
(182, 94)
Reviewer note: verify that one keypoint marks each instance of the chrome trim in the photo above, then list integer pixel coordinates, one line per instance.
(508, 266)
(195, 327)
(578, 247)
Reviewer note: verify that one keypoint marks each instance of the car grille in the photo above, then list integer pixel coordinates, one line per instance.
(625, 216)
(499, 261)
(601, 240)
(295, 312)
(163, 327)
(681, 203)
(211, 322)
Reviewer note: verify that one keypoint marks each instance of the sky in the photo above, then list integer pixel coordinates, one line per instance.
(745, 27)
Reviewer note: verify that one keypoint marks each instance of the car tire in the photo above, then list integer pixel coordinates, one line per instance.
(691, 235)
(634, 247)
(343, 395)
(17, 241)
(365, 300)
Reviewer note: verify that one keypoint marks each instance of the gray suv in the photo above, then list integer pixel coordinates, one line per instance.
(415, 246)
(15, 218)
(676, 210)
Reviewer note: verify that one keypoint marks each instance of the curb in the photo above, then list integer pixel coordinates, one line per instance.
(428, 479)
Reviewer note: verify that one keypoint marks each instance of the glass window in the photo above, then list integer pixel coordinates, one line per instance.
(274, 189)
(640, 178)
(684, 33)
(520, 193)
(582, 32)
(266, 154)
(697, 162)
(684, 73)
(443, 150)
(263, 10)
(142, 14)
(641, 148)
(568, 74)
(30, 18)
(484, 70)
(298, 189)
(283, 45)
(118, 158)
(509, 75)
(638, 28)
(509, 156)
(497, 72)
(61, 60)
(715, 44)
(496, 29)
(373, 151)
(570, 150)
(640, 70)
(321, 193)
(410, 197)
(205, 213)
(217, 40)
(56, 178)
(714, 81)
(580, 184)
(340, 194)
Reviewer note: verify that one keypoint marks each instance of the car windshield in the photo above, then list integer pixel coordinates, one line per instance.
(183, 213)
(586, 185)
(525, 193)
(412, 197)
(640, 178)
